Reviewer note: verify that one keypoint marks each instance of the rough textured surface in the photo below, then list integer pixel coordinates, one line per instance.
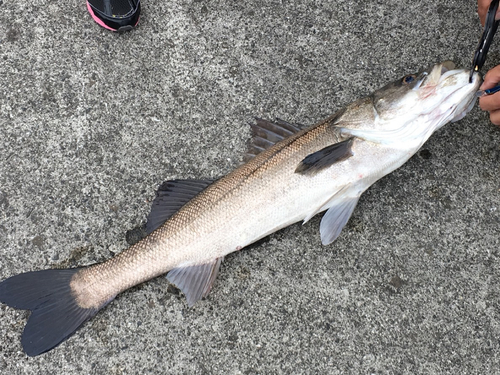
(92, 122)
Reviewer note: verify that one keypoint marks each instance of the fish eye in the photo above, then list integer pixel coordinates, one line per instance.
(409, 79)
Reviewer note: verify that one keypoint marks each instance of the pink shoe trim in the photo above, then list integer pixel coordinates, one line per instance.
(99, 21)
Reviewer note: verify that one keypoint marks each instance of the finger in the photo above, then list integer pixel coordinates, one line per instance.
(490, 102)
(495, 117)
(482, 9)
(491, 78)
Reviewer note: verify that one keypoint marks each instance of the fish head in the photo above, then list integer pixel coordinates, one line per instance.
(406, 112)
(442, 93)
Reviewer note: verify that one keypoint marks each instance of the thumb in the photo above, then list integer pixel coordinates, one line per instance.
(491, 78)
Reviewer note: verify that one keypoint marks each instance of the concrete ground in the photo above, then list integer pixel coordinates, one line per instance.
(92, 122)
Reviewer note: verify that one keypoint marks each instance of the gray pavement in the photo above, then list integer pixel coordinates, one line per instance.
(92, 122)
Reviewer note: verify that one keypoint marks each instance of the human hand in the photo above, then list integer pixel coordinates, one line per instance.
(482, 9)
(491, 103)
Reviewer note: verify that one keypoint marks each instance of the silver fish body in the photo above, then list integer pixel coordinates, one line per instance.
(296, 174)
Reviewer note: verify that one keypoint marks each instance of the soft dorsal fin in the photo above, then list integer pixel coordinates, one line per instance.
(325, 157)
(170, 197)
(195, 281)
(266, 134)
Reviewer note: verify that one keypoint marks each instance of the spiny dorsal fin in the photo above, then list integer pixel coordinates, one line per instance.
(266, 134)
(195, 281)
(325, 157)
(170, 197)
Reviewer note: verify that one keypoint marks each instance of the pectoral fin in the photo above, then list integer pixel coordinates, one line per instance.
(325, 157)
(195, 281)
(170, 197)
(336, 218)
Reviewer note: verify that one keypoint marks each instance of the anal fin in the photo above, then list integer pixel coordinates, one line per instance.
(195, 281)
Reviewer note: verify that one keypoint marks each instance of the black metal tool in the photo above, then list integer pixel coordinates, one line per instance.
(490, 27)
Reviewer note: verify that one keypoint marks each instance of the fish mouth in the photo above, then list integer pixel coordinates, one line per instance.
(441, 75)
(436, 73)
(451, 90)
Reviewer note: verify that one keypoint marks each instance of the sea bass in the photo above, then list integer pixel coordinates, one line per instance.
(290, 175)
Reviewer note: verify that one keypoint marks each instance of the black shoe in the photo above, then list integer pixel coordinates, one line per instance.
(115, 15)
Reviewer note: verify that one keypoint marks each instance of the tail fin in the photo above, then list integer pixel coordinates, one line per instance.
(55, 314)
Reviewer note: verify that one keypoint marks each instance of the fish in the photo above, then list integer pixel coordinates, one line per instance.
(290, 173)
